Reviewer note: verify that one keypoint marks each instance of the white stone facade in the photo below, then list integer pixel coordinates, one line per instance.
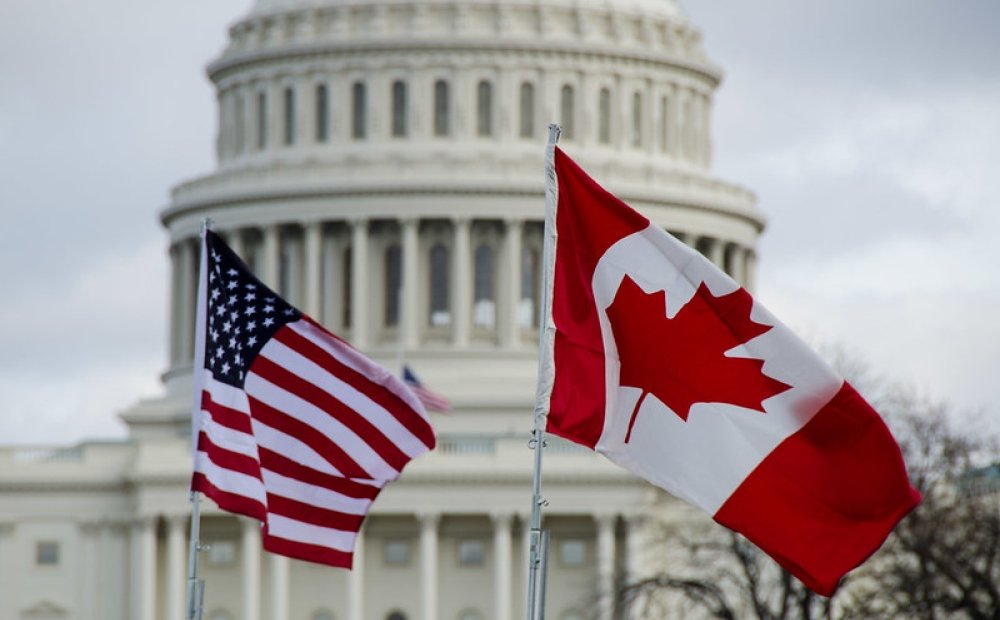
(364, 144)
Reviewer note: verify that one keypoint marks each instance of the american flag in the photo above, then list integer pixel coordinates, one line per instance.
(292, 425)
(431, 399)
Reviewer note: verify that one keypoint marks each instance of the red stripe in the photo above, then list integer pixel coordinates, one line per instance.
(227, 459)
(285, 466)
(226, 416)
(307, 552)
(407, 416)
(282, 377)
(827, 497)
(230, 502)
(312, 514)
(589, 220)
(309, 435)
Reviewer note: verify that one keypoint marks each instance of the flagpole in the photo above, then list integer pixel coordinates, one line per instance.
(196, 587)
(537, 556)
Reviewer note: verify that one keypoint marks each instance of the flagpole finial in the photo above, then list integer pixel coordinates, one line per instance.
(555, 129)
(206, 225)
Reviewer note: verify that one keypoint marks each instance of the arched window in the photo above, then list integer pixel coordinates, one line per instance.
(399, 109)
(470, 614)
(527, 109)
(396, 615)
(289, 101)
(484, 108)
(637, 119)
(347, 280)
(322, 114)
(322, 614)
(566, 111)
(527, 310)
(484, 307)
(664, 124)
(261, 121)
(220, 614)
(687, 128)
(604, 116)
(441, 104)
(440, 295)
(359, 113)
(393, 280)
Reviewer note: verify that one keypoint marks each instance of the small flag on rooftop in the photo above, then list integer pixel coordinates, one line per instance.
(432, 400)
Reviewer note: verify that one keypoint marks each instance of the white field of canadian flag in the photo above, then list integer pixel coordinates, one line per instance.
(661, 362)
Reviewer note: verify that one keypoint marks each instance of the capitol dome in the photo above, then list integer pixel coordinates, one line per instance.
(363, 144)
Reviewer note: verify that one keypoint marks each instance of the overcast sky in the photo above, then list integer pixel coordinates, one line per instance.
(869, 129)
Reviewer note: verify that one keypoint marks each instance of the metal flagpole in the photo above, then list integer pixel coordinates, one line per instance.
(196, 587)
(539, 549)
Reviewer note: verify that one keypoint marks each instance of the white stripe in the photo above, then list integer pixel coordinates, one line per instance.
(225, 394)
(292, 448)
(347, 394)
(306, 493)
(229, 439)
(229, 480)
(290, 529)
(352, 358)
(307, 413)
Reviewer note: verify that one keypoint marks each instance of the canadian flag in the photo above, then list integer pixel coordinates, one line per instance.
(658, 360)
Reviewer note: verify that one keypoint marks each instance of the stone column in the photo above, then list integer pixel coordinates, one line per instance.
(356, 580)
(174, 282)
(751, 270)
(269, 270)
(250, 543)
(429, 565)
(408, 304)
(715, 250)
(186, 300)
(462, 284)
(143, 599)
(605, 564)
(633, 545)
(359, 283)
(510, 297)
(502, 565)
(739, 264)
(313, 277)
(176, 592)
(234, 239)
(280, 569)
(89, 566)
(6, 589)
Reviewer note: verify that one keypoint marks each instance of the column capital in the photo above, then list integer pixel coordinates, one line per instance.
(605, 518)
(357, 220)
(428, 518)
(499, 517)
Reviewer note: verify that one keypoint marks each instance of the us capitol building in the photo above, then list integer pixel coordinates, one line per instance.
(363, 144)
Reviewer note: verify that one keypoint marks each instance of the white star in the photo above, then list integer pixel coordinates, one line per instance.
(232, 271)
(250, 297)
(214, 333)
(252, 340)
(215, 294)
(232, 343)
(231, 284)
(251, 286)
(227, 326)
(249, 310)
(225, 368)
(289, 312)
(252, 325)
(220, 310)
(268, 322)
(268, 309)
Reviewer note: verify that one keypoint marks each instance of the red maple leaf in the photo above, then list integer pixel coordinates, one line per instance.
(682, 360)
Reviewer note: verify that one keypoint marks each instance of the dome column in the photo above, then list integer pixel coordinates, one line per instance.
(502, 565)
(359, 282)
(280, 584)
(250, 543)
(143, 554)
(605, 564)
(408, 303)
(313, 277)
(355, 580)
(175, 592)
(429, 564)
(462, 289)
(511, 290)
(269, 270)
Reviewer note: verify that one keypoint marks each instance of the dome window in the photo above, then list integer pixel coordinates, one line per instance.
(399, 109)
(566, 111)
(439, 294)
(359, 112)
(289, 101)
(261, 121)
(527, 109)
(441, 111)
(604, 116)
(322, 113)
(637, 119)
(484, 309)
(664, 124)
(484, 109)
(393, 281)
